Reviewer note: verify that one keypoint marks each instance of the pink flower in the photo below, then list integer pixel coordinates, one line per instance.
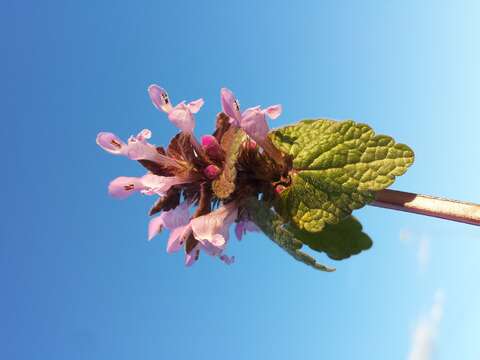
(122, 187)
(243, 226)
(159, 185)
(137, 147)
(177, 221)
(111, 143)
(149, 184)
(181, 115)
(212, 230)
(192, 257)
(253, 120)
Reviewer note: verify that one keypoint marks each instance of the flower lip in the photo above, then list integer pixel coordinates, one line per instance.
(212, 230)
(123, 186)
(177, 221)
(110, 143)
(243, 226)
(159, 97)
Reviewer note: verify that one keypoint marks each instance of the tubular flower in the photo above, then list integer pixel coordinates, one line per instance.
(212, 230)
(180, 115)
(253, 120)
(149, 184)
(137, 147)
(177, 221)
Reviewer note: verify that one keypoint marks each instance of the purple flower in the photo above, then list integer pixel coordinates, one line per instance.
(149, 184)
(193, 256)
(212, 230)
(243, 226)
(137, 147)
(253, 120)
(177, 221)
(180, 115)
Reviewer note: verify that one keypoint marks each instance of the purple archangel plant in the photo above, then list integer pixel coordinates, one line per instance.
(298, 184)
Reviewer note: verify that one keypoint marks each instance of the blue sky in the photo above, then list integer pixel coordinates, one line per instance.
(80, 281)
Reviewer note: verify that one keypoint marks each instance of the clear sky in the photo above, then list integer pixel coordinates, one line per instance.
(79, 279)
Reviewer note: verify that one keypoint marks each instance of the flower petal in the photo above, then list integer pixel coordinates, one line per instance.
(122, 187)
(243, 226)
(273, 111)
(155, 226)
(240, 230)
(182, 118)
(177, 238)
(176, 217)
(144, 135)
(230, 105)
(255, 124)
(154, 184)
(111, 143)
(141, 150)
(195, 106)
(213, 229)
(193, 255)
(159, 98)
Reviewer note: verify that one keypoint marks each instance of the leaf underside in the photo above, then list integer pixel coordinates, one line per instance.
(337, 167)
(338, 241)
(273, 226)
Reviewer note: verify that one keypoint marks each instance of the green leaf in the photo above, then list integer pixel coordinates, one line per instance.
(231, 143)
(273, 226)
(336, 168)
(348, 153)
(311, 202)
(339, 241)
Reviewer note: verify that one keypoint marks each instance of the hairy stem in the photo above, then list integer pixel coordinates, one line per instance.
(428, 205)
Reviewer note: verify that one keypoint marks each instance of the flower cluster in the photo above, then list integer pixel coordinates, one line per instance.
(201, 185)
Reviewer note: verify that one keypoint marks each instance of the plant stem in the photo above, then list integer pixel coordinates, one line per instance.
(428, 205)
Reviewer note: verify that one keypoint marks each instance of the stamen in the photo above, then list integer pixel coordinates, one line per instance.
(165, 98)
(237, 104)
(116, 143)
(129, 187)
(197, 255)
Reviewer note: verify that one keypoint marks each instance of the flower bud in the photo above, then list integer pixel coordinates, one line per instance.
(212, 171)
(212, 147)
